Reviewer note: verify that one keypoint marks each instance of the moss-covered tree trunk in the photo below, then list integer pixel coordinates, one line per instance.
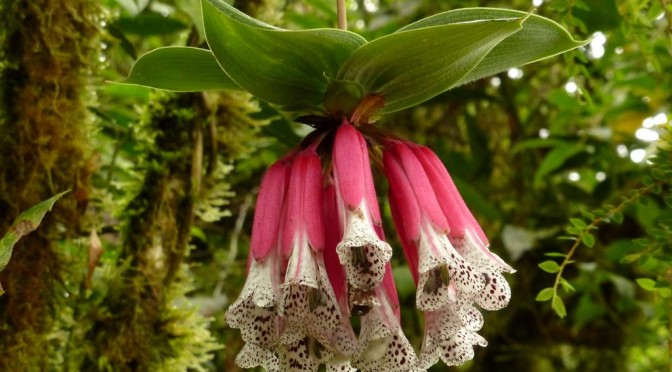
(149, 325)
(49, 54)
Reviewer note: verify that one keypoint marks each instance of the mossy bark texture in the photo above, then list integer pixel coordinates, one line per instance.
(49, 55)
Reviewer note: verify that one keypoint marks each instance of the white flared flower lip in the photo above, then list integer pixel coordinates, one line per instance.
(311, 311)
(454, 351)
(252, 356)
(382, 343)
(360, 234)
(484, 254)
(439, 266)
(254, 311)
(447, 330)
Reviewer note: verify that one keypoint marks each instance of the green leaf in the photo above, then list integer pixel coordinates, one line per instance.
(566, 286)
(545, 294)
(550, 266)
(288, 68)
(647, 284)
(24, 224)
(554, 160)
(587, 215)
(559, 306)
(410, 67)
(578, 223)
(149, 24)
(404, 280)
(555, 254)
(179, 69)
(668, 201)
(617, 217)
(573, 230)
(588, 240)
(475, 200)
(540, 38)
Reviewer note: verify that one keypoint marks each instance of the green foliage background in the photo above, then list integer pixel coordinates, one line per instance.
(133, 269)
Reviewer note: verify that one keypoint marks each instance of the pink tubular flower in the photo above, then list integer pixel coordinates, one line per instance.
(296, 325)
(466, 234)
(362, 251)
(440, 270)
(318, 256)
(444, 245)
(254, 311)
(314, 331)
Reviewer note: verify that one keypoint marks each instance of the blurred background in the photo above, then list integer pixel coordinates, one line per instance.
(134, 268)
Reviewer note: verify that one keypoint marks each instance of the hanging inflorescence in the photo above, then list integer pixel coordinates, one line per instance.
(319, 256)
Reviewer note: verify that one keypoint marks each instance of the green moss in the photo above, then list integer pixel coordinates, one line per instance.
(149, 323)
(50, 52)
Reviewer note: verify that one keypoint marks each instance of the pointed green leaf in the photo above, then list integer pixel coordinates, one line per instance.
(179, 69)
(588, 215)
(149, 24)
(630, 258)
(647, 284)
(588, 240)
(410, 67)
(559, 307)
(574, 230)
(540, 38)
(289, 68)
(550, 266)
(554, 160)
(545, 294)
(24, 224)
(578, 223)
(567, 287)
(555, 254)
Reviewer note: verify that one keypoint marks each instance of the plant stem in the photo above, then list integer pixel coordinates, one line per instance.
(342, 16)
(593, 225)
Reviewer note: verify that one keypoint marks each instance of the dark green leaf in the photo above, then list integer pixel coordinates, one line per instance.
(281, 130)
(179, 69)
(545, 294)
(148, 24)
(125, 44)
(617, 217)
(554, 160)
(668, 200)
(540, 38)
(289, 68)
(410, 67)
(475, 200)
(535, 143)
(550, 266)
(587, 215)
(134, 7)
(24, 224)
(404, 281)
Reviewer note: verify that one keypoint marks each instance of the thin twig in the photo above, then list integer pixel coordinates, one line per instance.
(342, 16)
(233, 244)
(593, 225)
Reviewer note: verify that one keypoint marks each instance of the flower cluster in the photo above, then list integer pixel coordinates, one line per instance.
(318, 257)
